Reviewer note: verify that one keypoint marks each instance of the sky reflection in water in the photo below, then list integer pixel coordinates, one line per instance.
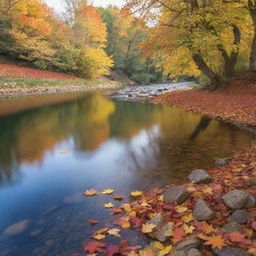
(108, 144)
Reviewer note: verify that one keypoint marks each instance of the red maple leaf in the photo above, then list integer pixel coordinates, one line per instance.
(94, 246)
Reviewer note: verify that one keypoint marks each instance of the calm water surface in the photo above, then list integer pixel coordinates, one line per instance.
(52, 148)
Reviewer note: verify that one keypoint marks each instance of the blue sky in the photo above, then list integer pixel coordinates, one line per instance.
(57, 4)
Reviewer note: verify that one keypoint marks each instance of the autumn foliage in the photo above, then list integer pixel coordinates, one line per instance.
(236, 103)
(137, 215)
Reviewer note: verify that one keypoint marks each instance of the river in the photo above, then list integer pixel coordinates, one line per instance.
(54, 147)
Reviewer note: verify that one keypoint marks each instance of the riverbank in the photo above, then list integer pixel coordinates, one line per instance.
(236, 103)
(21, 81)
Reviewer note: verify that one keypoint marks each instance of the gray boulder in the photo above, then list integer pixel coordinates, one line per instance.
(199, 176)
(230, 251)
(251, 183)
(178, 253)
(250, 202)
(178, 194)
(194, 252)
(202, 211)
(188, 244)
(241, 216)
(231, 227)
(221, 162)
(163, 230)
(235, 199)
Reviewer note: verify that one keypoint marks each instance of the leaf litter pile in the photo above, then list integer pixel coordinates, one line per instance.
(211, 215)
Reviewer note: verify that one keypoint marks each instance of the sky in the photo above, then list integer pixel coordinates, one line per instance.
(57, 4)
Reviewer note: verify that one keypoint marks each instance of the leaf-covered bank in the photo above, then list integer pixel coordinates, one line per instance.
(236, 103)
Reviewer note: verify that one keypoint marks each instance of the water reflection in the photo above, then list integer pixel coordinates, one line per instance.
(109, 144)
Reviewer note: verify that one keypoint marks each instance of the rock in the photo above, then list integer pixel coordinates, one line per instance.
(194, 252)
(199, 176)
(231, 227)
(49, 243)
(73, 199)
(188, 244)
(251, 183)
(16, 228)
(250, 202)
(231, 251)
(240, 216)
(36, 232)
(202, 211)
(235, 199)
(221, 162)
(163, 230)
(178, 194)
(178, 253)
(51, 210)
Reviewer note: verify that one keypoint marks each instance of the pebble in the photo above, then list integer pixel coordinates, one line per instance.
(16, 228)
(202, 211)
(178, 194)
(231, 227)
(221, 162)
(241, 216)
(200, 176)
(188, 244)
(236, 199)
(231, 251)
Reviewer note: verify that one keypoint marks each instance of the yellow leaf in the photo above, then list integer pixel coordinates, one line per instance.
(136, 193)
(207, 190)
(64, 152)
(165, 251)
(114, 232)
(187, 218)
(109, 205)
(188, 229)
(127, 207)
(161, 198)
(99, 237)
(180, 209)
(144, 204)
(126, 225)
(147, 228)
(108, 191)
(159, 245)
(191, 189)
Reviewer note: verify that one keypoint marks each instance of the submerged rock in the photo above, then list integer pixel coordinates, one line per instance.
(178, 194)
(231, 251)
(221, 162)
(51, 210)
(236, 199)
(73, 199)
(202, 211)
(199, 176)
(194, 252)
(16, 228)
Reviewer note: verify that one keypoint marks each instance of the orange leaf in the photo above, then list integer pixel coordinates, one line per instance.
(216, 242)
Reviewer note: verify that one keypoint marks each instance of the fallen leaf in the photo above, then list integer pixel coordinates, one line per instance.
(136, 193)
(114, 232)
(92, 222)
(236, 237)
(148, 228)
(91, 192)
(108, 205)
(178, 234)
(94, 246)
(118, 198)
(180, 209)
(108, 191)
(188, 229)
(99, 237)
(216, 242)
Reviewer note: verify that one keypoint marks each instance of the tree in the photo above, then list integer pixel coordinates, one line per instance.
(193, 37)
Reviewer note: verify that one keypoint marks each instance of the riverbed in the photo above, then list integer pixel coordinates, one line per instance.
(54, 147)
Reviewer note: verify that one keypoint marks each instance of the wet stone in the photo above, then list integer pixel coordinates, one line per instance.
(251, 183)
(178, 194)
(36, 232)
(163, 230)
(236, 199)
(188, 244)
(202, 211)
(178, 253)
(16, 228)
(221, 162)
(240, 216)
(51, 210)
(231, 227)
(194, 252)
(230, 251)
(200, 176)
(250, 202)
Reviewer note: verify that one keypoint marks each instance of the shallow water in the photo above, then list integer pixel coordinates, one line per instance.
(52, 148)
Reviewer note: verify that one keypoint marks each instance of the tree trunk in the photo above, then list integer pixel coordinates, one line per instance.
(252, 9)
(215, 79)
